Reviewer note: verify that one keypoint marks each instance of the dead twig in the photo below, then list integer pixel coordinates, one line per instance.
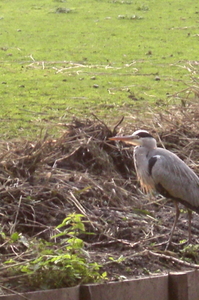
(171, 258)
(118, 123)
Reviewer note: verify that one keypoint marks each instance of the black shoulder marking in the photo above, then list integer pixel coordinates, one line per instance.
(144, 134)
(152, 162)
(160, 189)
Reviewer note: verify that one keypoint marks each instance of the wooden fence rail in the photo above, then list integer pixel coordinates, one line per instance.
(172, 286)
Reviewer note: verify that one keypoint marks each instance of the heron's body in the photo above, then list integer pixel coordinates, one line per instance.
(161, 170)
(166, 173)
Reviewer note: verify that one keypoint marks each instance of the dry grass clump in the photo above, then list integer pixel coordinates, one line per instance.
(178, 130)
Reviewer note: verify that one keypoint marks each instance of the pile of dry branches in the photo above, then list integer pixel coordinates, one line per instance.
(42, 181)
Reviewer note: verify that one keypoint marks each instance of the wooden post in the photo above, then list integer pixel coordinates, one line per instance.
(184, 285)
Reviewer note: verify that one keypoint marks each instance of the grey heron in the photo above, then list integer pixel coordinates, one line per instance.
(161, 170)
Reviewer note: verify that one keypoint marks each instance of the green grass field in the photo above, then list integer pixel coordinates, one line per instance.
(61, 59)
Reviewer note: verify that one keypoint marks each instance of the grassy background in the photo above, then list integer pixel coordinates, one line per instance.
(61, 59)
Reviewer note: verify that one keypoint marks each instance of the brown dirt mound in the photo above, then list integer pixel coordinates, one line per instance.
(42, 182)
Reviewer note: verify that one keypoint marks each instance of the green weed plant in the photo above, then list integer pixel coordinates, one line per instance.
(62, 262)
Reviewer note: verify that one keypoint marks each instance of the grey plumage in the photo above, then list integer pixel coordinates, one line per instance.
(161, 170)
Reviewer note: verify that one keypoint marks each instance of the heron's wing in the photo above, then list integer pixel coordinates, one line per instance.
(173, 178)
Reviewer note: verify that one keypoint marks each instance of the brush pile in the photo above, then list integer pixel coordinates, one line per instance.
(41, 182)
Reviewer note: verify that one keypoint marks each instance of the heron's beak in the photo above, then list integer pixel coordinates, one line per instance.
(130, 139)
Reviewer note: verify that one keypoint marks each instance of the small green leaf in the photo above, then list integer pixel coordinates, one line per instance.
(15, 236)
(9, 261)
(3, 235)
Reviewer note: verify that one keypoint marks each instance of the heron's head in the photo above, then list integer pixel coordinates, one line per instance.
(138, 138)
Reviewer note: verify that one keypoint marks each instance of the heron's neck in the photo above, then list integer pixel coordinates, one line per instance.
(149, 143)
